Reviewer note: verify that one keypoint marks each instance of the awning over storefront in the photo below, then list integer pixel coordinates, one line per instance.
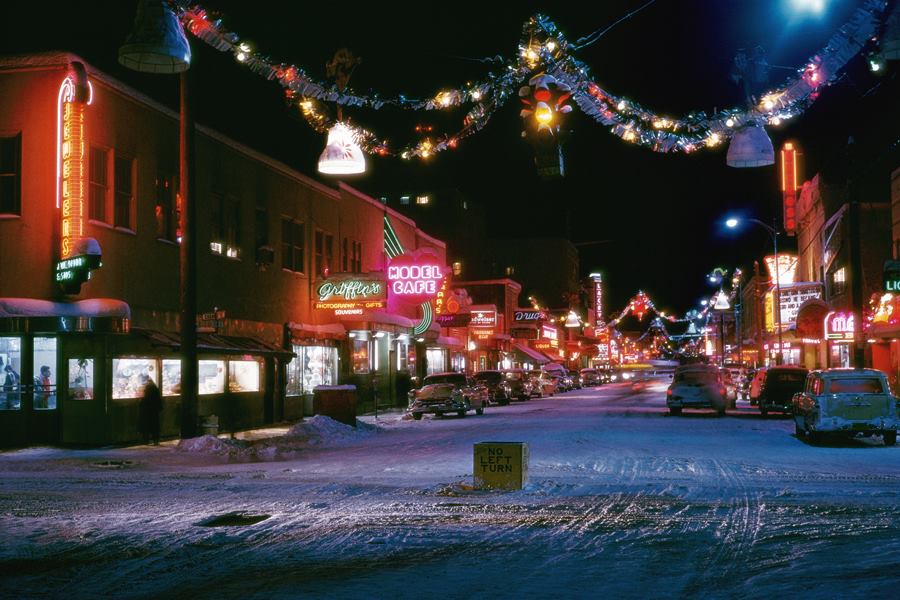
(530, 355)
(213, 342)
(450, 342)
(379, 320)
(95, 315)
(328, 331)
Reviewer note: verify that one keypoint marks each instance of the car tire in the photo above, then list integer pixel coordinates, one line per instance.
(890, 438)
(720, 412)
(815, 437)
(479, 410)
(674, 411)
(799, 431)
(763, 411)
(417, 416)
(461, 413)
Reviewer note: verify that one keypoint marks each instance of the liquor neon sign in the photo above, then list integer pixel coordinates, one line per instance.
(415, 279)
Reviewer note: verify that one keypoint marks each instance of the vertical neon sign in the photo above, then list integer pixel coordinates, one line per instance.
(74, 93)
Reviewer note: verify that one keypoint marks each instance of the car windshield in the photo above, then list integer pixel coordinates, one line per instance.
(488, 376)
(515, 376)
(454, 378)
(696, 377)
(856, 385)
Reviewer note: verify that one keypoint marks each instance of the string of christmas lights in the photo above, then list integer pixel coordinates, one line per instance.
(544, 48)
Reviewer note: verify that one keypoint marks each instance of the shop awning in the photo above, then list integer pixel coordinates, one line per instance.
(214, 343)
(328, 331)
(530, 355)
(94, 315)
(451, 342)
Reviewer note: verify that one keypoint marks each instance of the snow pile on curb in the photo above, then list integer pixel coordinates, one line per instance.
(321, 430)
(318, 431)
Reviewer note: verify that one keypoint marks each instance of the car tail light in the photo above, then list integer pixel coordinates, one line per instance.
(722, 390)
(668, 392)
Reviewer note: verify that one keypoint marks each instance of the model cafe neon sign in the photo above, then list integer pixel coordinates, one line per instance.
(415, 278)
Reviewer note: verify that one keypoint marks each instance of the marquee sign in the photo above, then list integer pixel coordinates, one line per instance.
(792, 297)
(483, 318)
(787, 268)
(350, 294)
(415, 278)
(839, 326)
(529, 316)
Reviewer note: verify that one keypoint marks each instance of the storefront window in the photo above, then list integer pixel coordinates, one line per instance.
(212, 376)
(129, 376)
(10, 373)
(402, 355)
(313, 366)
(435, 359)
(243, 376)
(458, 362)
(360, 356)
(81, 379)
(44, 373)
(171, 377)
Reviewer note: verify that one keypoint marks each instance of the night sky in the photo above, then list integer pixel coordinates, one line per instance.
(659, 216)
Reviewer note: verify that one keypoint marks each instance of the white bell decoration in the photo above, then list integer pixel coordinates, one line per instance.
(572, 319)
(750, 147)
(342, 155)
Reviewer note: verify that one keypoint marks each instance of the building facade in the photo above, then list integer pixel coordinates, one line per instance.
(88, 189)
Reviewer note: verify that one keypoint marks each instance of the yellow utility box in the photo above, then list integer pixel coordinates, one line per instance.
(501, 465)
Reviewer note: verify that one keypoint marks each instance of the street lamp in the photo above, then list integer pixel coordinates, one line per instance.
(158, 45)
(732, 223)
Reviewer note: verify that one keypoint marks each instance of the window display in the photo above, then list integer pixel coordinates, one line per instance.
(81, 379)
(128, 376)
(360, 356)
(212, 376)
(402, 355)
(10, 373)
(44, 373)
(435, 359)
(243, 376)
(313, 365)
(171, 377)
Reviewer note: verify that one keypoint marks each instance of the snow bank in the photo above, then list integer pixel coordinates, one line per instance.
(318, 431)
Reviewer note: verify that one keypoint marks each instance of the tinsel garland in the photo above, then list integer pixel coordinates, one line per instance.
(544, 48)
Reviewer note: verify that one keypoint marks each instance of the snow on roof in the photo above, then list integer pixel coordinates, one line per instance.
(11, 308)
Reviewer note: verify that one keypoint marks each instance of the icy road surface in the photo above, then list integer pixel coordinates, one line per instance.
(623, 501)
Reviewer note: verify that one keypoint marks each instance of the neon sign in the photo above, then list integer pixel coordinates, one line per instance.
(787, 268)
(483, 318)
(598, 299)
(839, 326)
(529, 315)
(415, 279)
(789, 187)
(350, 289)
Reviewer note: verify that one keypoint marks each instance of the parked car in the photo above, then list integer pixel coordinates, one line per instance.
(496, 386)
(696, 386)
(544, 384)
(590, 377)
(565, 382)
(730, 386)
(576, 380)
(606, 375)
(518, 384)
(448, 392)
(846, 402)
(744, 385)
(778, 388)
(756, 385)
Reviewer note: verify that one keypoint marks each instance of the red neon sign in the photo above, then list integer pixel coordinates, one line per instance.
(415, 279)
(789, 187)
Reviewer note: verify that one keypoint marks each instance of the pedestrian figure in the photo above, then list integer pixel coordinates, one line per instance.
(11, 387)
(42, 388)
(148, 411)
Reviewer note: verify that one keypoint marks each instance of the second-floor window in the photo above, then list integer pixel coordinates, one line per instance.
(98, 184)
(124, 196)
(356, 261)
(10, 175)
(225, 225)
(293, 235)
(324, 253)
(165, 212)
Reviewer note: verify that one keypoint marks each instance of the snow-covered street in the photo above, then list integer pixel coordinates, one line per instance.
(623, 500)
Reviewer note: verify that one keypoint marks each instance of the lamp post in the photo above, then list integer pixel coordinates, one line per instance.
(157, 44)
(731, 224)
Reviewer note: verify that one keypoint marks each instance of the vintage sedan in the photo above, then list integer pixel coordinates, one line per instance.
(448, 393)
(543, 384)
(778, 388)
(518, 384)
(846, 402)
(590, 377)
(696, 386)
(495, 383)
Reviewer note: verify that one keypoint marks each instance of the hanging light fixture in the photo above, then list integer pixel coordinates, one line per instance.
(342, 155)
(572, 320)
(750, 147)
(157, 43)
